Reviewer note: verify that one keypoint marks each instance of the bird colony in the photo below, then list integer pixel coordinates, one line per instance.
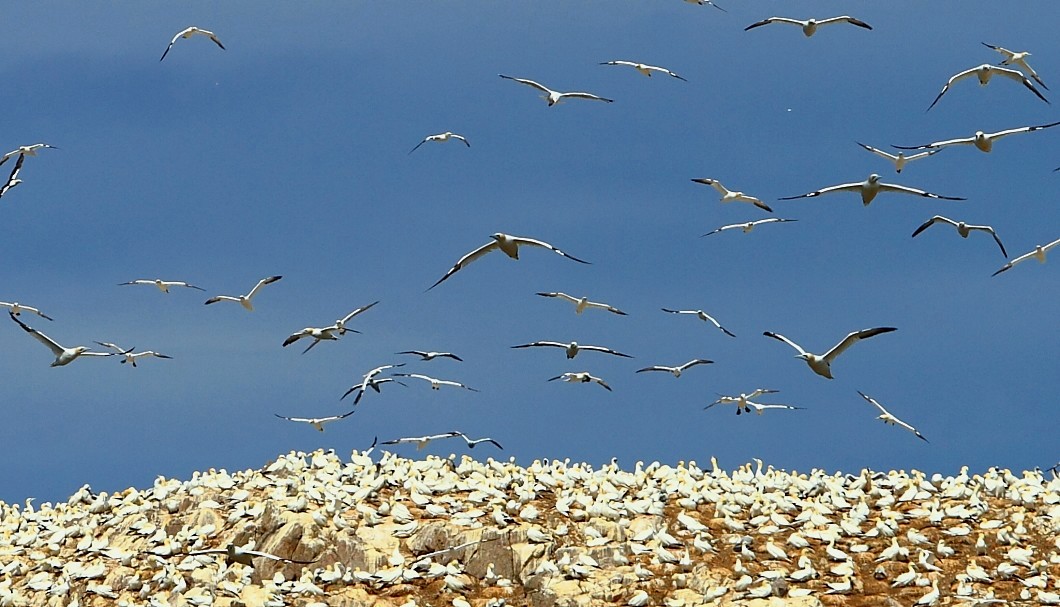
(379, 529)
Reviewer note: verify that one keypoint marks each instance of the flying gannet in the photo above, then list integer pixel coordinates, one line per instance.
(700, 314)
(962, 228)
(822, 365)
(1038, 253)
(128, 356)
(436, 383)
(572, 348)
(982, 140)
(369, 381)
(676, 371)
(245, 300)
(869, 188)
(316, 422)
(506, 243)
(741, 400)
(26, 150)
(319, 334)
(710, 2)
(984, 72)
(747, 226)
(580, 377)
(428, 355)
(730, 196)
(446, 136)
(899, 159)
(63, 355)
(1017, 58)
(644, 68)
(243, 556)
(423, 441)
(887, 418)
(188, 33)
(582, 303)
(163, 285)
(554, 97)
(17, 309)
(809, 26)
(12, 179)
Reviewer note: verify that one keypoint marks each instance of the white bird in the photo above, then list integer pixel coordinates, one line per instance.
(17, 309)
(822, 365)
(316, 422)
(962, 228)
(1017, 58)
(869, 188)
(644, 68)
(128, 355)
(741, 401)
(932, 597)
(572, 348)
(899, 159)
(341, 323)
(26, 150)
(446, 136)
(428, 355)
(809, 26)
(554, 97)
(580, 377)
(1038, 253)
(326, 333)
(702, 2)
(984, 72)
(423, 441)
(238, 554)
(506, 243)
(758, 407)
(676, 371)
(982, 140)
(63, 355)
(436, 383)
(245, 300)
(748, 226)
(887, 418)
(163, 285)
(582, 303)
(730, 196)
(188, 33)
(700, 314)
(369, 381)
(12, 179)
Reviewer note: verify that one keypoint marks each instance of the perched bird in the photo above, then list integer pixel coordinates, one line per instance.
(506, 243)
(983, 141)
(899, 159)
(702, 2)
(163, 285)
(748, 226)
(580, 377)
(962, 228)
(1017, 58)
(984, 72)
(554, 97)
(1038, 253)
(809, 26)
(730, 196)
(572, 348)
(700, 314)
(26, 150)
(583, 303)
(12, 179)
(17, 309)
(245, 300)
(238, 554)
(676, 371)
(188, 33)
(425, 355)
(436, 383)
(822, 365)
(886, 417)
(316, 422)
(128, 356)
(869, 188)
(446, 136)
(63, 355)
(644, 68)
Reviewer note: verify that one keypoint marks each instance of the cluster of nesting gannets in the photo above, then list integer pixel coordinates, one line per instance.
(311, 529)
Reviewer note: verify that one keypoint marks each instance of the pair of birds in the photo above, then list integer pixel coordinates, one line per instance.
(21, 152)
(65, 356)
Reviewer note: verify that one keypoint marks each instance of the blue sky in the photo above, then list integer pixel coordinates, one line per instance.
(287, 154)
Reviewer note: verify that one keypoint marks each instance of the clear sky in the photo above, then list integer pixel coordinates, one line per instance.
(287, 154)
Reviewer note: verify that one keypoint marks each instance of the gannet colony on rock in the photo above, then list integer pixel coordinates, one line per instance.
(314, 529)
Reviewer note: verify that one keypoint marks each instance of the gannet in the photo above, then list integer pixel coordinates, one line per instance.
(436, 383)
(962, 228)
(554, 97)
(1017, 58)
(423, 441)
(128, 356)
(899, 159)
(427, 355)
(822, 365)
(245, 300)
(887, 418)
(983, 141)
(702, 316)
(748, 226)
(869, 188)
(63, 355)
(446, 136)
(17, 309)
(26, 150)
(710, 2)
(572, 348)
(188, 33)
(1038, 253)
(506, 243)
(326, 333)
(369, 381)
(12, 179)
(341, 323)
(316, 422)
(580, 377)
(676, 370)
(163, 285)
(730, 196)
(758, 407)
(809, 26)
(984, 72)
(741, 400)
(238, 554)
(644, 68)
(582, 303)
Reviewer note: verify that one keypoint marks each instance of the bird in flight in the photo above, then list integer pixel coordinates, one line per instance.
(428, 355)
(700, 314)
(742, 400)
(572, 348)
(822, 364)
(63, 355)
(245, 300)
(984, 72)
(554, 97)
(982, 140)
(580, 377)
(1017, 58)
(128, 356)
(423, 441)
(899, 159)
(962, 228)
(870, 188)
(730, 196)
(1038, 253)
(887, 418)
(316, 422)
(12, 179)
(188, 33)
(26, 150)
(582, 303)
(506, 243)
(748, 226)
(644, 68)
(436, 383)
(163, 285)
(676, 371)
(746, 405)
(446, 136)
(326, 333)
(702, 2)
(369, 381)
(17, 309)
(243, 556)
(809, 26)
